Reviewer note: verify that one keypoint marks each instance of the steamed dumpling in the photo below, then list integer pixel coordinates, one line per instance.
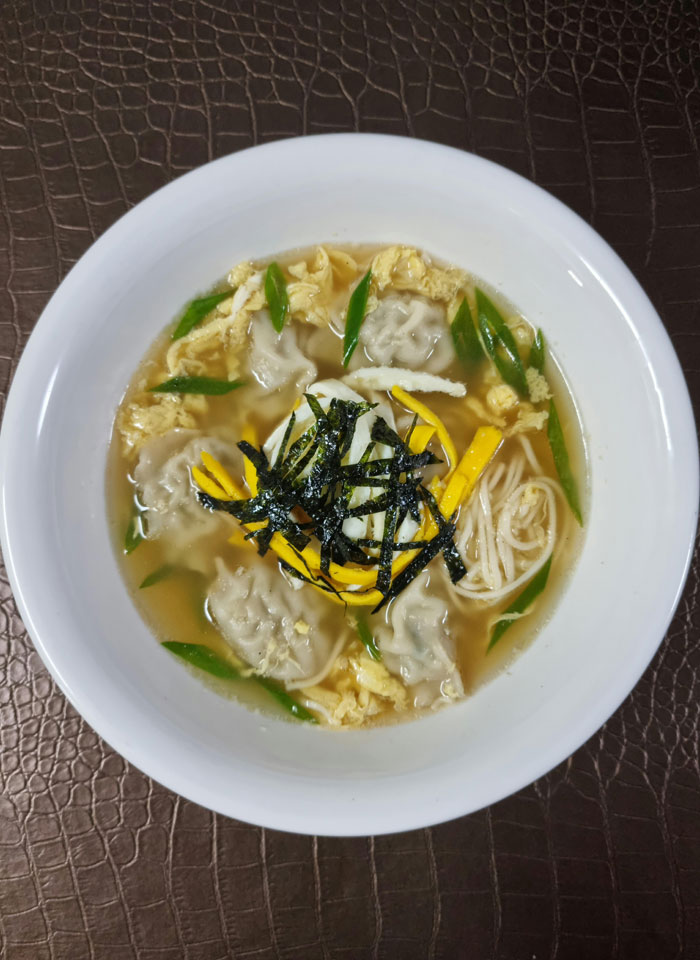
(420, 647)
(274, 631)
(166, 489)
(275, 358)
(408, 331)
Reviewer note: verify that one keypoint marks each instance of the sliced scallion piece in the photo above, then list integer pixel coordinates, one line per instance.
(205, 659)
(537, 352)
(500, 343)
(355, 316)
(557, 444)
(197, 311)
(283, 698)
(522, 602)
(465, 338)
(206, 385)
(368, 641)
(276, 294)
(161, 573)
(134, 534)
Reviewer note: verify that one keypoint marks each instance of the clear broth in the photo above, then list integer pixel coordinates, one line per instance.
(175, 609)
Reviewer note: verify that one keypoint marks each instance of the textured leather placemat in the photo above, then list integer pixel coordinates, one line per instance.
(101, 103)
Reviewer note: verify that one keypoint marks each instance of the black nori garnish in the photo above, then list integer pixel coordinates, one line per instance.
(324, 493)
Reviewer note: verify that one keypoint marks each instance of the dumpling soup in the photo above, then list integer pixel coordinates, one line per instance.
(347, 485)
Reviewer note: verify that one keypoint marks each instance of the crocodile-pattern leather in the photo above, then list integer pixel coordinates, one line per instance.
(597, 101)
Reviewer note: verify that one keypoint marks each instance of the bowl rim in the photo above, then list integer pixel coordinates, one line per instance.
(672, 383)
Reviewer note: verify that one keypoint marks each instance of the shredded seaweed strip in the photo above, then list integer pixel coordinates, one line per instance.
(307, 491)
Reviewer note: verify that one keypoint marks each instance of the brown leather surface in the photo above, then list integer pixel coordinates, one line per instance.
(100, 103)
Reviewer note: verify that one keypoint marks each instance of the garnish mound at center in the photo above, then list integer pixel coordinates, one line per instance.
(307, 492)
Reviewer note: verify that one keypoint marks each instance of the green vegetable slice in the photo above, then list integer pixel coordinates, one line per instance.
(134, 534)
(368, 641)
(500, 343)
(283, 698)
(555, 435)
(161, 573)
(197, 311)
(465, 338)
(537, 352)
(206, 385)
(355, 316)
(276, 294)
(522, 602)
(205, 659)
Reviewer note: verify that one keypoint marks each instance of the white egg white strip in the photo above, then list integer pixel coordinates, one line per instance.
(384, 378)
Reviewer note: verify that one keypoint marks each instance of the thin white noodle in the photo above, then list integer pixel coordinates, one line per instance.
(513, 476)
(530, 453)
(494, 572)
(318, 708)
(490, 531)
(506, 519)
(496, 475)
(505, 552)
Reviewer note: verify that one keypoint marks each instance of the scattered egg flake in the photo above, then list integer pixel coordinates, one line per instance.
(501, 398)
(184, 356)
(537, 386)
(528, 419)
(404, 268)
(483, 413)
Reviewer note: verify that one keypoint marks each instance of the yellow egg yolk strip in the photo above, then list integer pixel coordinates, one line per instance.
(208, 485)
(421, 437)
(222, 476)
(251, 474)
(425, 413)
(482, 448)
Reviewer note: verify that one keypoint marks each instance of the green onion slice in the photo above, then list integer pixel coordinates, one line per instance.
(162, 573)
(205, 659)
(465, 338)
(555, 435)
(134, 534)
(276, 294)
(537, 352)
(197, 311)
(368, 641)
(355, 317)
(500, 343)
(207, 385)
(283, 698)
(522, 602)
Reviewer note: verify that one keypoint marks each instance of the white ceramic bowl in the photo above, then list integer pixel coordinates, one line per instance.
(626, 381)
